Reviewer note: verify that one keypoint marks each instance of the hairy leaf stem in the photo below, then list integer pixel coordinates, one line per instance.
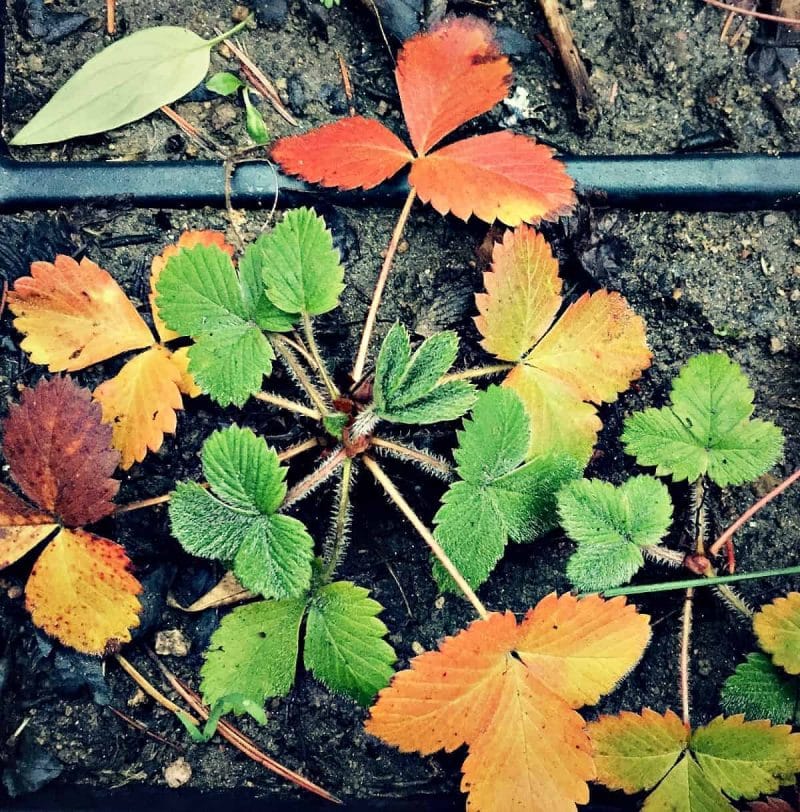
(315, 478)
(289, 405)
(477, 372)
(287, 356)
(369, 324)
(428, 462)
(394, 494)
(308, 329)
(339, 530)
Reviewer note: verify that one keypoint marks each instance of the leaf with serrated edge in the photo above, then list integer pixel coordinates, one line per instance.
(777, 627)
(707, 428)
(523, 295)
(352, 153)
(59, 451)
(186, 383)
(21, 527)
(254, 652)
(759, 690)
(140, 402)
(188, 239)
(230, 363)
(254, 289)
(591, 353)
(301, 268)
(525, 740)
(344, 646)
(81, 592)
(74, 315)
(243, 470)
(500, 176)
(126, 81)
(610, 525)
(434, 68)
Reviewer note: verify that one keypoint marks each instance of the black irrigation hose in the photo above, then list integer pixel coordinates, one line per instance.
(696, 182)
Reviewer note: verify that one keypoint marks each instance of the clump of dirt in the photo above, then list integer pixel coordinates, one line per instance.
(702, 282)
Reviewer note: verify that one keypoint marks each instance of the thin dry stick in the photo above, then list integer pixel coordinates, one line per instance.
(152, 691)
(287, 356)
(348, 87)
(686, 635)
(314, 479)
(427, 536)
(290, 452)
(415, 455)
(369, 324)
(238, 739)
(111, 17)
(143, 728)
(308, 329)
(193, 132)
(751, 511)
(289, 405)
(3, 298)
(477, 372)
(759, 15)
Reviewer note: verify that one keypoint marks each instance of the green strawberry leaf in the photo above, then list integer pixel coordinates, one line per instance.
(300, 266)
(344, 646)
(759, 690)
(263, 312)
(253, 653)
(707, 429)
(236, 521)
(500, 497)
(407, 388)
(610, 525)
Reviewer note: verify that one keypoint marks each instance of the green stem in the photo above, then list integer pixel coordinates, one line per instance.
(210, 43)
(714, 580)
(308, 329)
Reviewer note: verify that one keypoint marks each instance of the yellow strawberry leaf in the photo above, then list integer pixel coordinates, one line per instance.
(187, 384)
(81, 592)
(21, 527)
(587, 356)
(74, 315)
(777, 627)
(140, 403)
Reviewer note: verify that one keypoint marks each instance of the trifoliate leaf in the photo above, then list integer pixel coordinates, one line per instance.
(611, 525)
(760, 691)
(727, 759)
(300, 266)
(344, 646)
(499, 498)
(236, 521)
(563, 368)
(407, 388)
(201, 296)
(254, 651)
(777, 627)
(707, 429)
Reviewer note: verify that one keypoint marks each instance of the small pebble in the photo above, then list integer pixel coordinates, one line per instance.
(417, 648)
(439, 602)
(240, 13)
(402, 247)
(382, 109)
(794, 296)
(770, 219)
(776, 345)
(14, 592)
(138, 698)
(178, 773)
(172, 643)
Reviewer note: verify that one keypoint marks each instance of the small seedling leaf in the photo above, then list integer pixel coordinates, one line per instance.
(611, 525)
(509, 691)
(236, 521)
(59, 452)
(407, 388)
(344, 646)
(727, 759)
(140, 402)
(74, 315)
(254, 121)
(588, 356)
(434, 68)
(224, 83)
(759, 690)
(300, 266)
(777, 627)
(498, 498)
(707, 428)
(80, 591)
(122, 83)
(254, 652)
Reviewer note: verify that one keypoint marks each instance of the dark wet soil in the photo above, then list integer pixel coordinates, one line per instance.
(664, 82)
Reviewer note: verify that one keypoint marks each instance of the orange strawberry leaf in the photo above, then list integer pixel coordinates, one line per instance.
(509, 691)
(59, 451)
(501, 176)
(81, 592)
(140, 402)
(448, 76)
(74, 315)
(188, 239)
(351, 153)
(21, 527)
(588, 356)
